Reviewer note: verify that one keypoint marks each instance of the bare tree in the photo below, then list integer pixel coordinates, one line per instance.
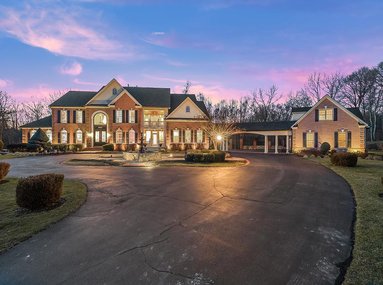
(263, 102)
(217, 131)
(6, 103)
(332, 85)
(187, 87)
(314, 86)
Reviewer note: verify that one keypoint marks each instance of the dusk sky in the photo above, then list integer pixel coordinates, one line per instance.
(225, 48)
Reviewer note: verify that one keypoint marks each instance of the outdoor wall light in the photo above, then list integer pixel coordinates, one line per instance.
(219, 137)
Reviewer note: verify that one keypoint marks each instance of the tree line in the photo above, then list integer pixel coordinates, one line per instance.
(361, 89)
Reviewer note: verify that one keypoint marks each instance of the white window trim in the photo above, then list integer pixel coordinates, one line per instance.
(132, 136)
(119, 137)
(199, 136)
(188, 134)
(63, 116)
(174, 136)
(79, 116)
(62, 132)
(132, 116)
(119, 115)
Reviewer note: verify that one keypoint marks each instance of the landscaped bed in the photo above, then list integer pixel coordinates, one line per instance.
(17, 224)
(365, 180)
(226, 163)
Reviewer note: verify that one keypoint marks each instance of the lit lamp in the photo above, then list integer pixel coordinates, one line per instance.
(219, 139)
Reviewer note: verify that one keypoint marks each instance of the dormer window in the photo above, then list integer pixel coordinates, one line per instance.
(326, 114)
(187, 109)
(114, 91)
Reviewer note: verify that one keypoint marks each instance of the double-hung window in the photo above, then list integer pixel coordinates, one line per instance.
(188, 137)
(79, 116)
(326, 114)
(63, 116)
(119, 136)
(176, 136)
(132, 116)
(118, 116)
(199, 136)
(64, 136)
(132, 136)
(310, 140)
(78, 136)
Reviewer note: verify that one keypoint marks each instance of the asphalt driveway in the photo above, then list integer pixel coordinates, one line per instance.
(279, 220)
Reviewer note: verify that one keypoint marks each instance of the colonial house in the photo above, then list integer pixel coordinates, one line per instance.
(123, 115)
(326, 121)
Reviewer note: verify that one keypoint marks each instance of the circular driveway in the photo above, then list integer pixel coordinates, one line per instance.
(279, 220)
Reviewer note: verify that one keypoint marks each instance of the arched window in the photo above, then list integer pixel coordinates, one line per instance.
(132, 136)
(187, 109)
(119, 138)
(99, 119)
(49, 135)
(64, 136)
(114, 91)
(79, 136)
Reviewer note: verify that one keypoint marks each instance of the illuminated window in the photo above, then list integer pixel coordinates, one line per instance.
(187, 109)
(99, 119)
(342, 139)
(49, 135)
(119, 137)
(310, 140)
(148, 135)
(132, 116)
(161, 136)
(64, 136)
(79, 117)
(199, 136)
(132, 136)
(64, 116)
(176, 136)
(188, 137)
(118, 116)
(78, 136)
(326, 114)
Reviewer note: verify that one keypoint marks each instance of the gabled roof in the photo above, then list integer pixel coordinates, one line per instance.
(353, 112)
(39, 136)
(177, 99)
(151, 97)
(42, 123)
(265, 126)
(300, 109)
(74, 99)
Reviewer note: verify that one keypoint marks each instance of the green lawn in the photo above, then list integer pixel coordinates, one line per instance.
(16, 226)
(15, 155)
(365, 179)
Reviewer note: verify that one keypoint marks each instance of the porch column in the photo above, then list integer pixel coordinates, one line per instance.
(276, 144)
(266, 144)
(287, 143)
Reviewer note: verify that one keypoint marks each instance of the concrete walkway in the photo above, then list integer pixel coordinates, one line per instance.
(279, 220)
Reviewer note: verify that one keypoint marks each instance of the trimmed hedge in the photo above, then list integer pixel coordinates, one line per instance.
(4, 169)
(344, 159)
(40, 191)
(309, 152)
(17, 147)
(108, 147)
(205, 156)
(325, 148)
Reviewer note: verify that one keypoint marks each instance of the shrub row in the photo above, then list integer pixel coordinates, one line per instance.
(108, 147)
(40, 191)
(205, 156)
(35, 147)
(344, 159)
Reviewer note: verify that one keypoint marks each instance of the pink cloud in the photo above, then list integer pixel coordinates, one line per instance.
(5, 83)
(71, 68)
(60, 31)
(38, 92)
(87, 83)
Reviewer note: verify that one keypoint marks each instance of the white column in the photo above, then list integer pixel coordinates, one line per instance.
(276, 144)
(266, 144)
(287, 143)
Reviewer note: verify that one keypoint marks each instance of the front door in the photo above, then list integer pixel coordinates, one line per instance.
(100, 137)
(155, 138)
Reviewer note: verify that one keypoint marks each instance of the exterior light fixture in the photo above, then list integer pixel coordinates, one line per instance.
(219, 137)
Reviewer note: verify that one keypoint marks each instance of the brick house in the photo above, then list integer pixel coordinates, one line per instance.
(122, 116)
(326, 121)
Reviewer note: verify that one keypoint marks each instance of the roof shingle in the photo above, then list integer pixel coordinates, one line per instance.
(74, 99)
(45, 122)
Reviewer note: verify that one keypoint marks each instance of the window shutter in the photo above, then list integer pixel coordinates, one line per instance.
(74, 138)
(83, 116)
(123, 137)
(335, 114)
(83, 137)
(316, 115)
(114, 116)
(349, 139)
(127, 116)
(68, 116)
(183, 136)
(136, 116)
(136, 137)
(59, 138)
(316, 140)
(74, 116)
(124, 116)
(304, 140)
(29, 135)
(335, 139)
(192, 135)
(59, 116)
(171, 136)
(114, 137)
(203, 136)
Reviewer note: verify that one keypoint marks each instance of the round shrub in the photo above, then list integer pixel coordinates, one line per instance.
(40, 191)
(108, 147)
(325, 148)
(4, 169)
(344, 159)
